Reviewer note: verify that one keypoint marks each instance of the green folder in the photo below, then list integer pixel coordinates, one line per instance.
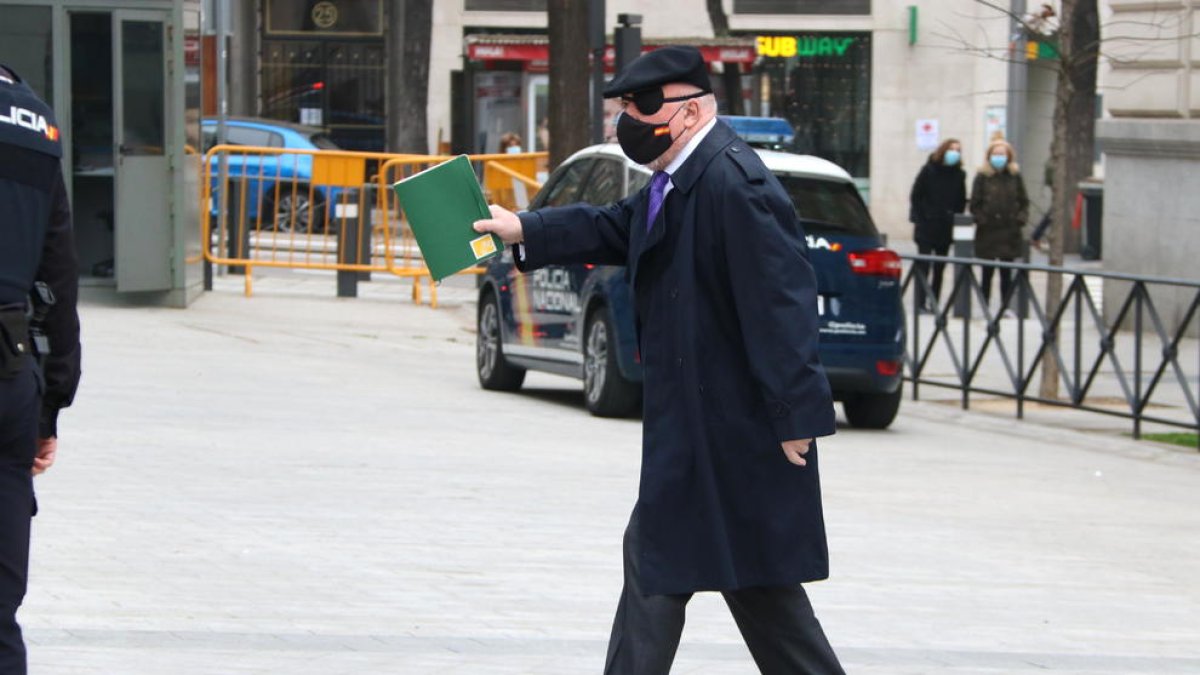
(442, 203)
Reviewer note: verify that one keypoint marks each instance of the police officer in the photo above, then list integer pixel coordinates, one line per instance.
(36, 245)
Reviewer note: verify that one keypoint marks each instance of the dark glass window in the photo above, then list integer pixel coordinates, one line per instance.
(25, 46)
(605, 183)
(828, 207)
(801, 6)
(563, 187)
(333, 84)
(143, 98)
(822, 86)
(333, 17)
(259, 138)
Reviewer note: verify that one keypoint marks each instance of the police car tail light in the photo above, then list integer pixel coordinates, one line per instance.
(876, 262)
(887, 368)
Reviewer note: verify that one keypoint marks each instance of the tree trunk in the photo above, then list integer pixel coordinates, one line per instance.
(410, 24)
(1073, 149)
(732, 75)
(569, 78)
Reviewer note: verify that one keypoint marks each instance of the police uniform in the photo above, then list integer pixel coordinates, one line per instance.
(36, 245)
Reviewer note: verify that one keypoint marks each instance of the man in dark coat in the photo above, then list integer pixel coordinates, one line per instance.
(939, 192)
(36, 244)
(725, 302)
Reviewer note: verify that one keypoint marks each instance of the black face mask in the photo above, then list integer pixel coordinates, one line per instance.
(643, 142)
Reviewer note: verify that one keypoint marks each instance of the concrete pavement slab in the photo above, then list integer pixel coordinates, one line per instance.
(298, 484)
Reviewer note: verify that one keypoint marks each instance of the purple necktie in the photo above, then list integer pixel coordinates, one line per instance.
(658, 186)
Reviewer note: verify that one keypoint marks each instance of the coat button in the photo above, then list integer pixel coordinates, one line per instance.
(733, 149)
(679, 362)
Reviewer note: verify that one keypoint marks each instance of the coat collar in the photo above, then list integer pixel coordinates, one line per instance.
(717, 139)
(988, 170)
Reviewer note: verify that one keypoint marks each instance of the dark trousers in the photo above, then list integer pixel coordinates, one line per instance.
(1006, 278)
(1040, 231)
(777, 624)
(19, 404)
(932, 274)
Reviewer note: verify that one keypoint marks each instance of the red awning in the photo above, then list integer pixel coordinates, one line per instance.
(537, 49)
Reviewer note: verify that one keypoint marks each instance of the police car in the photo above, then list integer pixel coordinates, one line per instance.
(578, 320)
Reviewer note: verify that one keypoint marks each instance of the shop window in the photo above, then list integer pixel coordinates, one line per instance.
(802, 6)
(821, 83)
(25, 46)
(506, 5)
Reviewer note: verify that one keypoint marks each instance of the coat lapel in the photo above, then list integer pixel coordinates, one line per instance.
(682, 181)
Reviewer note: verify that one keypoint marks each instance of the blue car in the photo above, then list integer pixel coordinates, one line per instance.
(279, 187)
(578, 320)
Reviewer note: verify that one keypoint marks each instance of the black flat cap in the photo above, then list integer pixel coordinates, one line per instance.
(659, 67)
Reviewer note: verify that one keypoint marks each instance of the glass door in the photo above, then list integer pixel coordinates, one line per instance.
(142, 127)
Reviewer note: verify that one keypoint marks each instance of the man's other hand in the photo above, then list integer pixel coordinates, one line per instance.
(504, 224)
(44, 459)
(795, 451)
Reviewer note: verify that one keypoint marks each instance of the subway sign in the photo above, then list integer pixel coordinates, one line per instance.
(788, 46)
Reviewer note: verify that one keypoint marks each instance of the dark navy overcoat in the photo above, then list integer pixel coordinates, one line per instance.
(727, 327)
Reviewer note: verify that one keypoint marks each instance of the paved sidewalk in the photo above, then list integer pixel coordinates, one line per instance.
(298, 484)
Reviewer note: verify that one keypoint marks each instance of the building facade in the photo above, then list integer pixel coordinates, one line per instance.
(1151, 140)
(870, 84)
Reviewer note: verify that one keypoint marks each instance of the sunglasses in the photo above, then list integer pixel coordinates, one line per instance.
(650, 101)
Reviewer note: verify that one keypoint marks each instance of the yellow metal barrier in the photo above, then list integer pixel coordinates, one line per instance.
(316, 209)
(498, 170)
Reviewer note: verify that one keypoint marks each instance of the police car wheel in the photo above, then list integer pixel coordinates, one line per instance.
(873, 411)
(495, 373)
(605, 391)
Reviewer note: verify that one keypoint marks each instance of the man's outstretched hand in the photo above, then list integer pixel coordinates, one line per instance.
(504, 224)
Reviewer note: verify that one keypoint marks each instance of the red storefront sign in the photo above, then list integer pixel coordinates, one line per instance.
(540, 53)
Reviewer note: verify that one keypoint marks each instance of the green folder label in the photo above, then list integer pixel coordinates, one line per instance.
(483, 247)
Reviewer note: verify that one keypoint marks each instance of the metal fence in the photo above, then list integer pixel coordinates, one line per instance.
(331, 210)
(1114, 350)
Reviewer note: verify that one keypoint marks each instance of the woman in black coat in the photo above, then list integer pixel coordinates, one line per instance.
(939, 192)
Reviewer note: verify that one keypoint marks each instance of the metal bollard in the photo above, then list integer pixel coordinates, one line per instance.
(352, 249)
(964, 247)
(237, 229)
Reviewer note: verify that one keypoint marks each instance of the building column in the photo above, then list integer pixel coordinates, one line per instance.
(394, 30)
(244, 58)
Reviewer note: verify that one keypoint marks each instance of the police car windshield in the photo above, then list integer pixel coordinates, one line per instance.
(828, 207)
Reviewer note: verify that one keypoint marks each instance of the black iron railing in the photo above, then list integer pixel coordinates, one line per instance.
(1114, 357)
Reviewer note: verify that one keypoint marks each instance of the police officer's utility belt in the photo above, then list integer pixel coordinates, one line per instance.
(14, 341)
